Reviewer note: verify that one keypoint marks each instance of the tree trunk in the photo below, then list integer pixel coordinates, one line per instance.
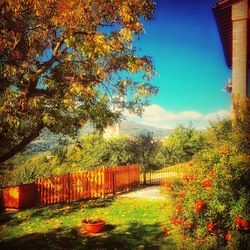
(144, 178)
(20, 147)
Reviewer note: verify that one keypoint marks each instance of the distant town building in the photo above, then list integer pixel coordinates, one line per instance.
(112, 131)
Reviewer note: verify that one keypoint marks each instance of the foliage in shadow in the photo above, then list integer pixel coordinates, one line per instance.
(10, 219)
(137, 236)
(53, 211)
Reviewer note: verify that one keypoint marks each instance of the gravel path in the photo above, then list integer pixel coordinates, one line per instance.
(145, 193)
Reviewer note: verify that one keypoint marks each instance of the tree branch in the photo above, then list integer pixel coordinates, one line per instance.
(40, 92)
(83, 33)
(54, 57)
(45, 66)
(21, 146)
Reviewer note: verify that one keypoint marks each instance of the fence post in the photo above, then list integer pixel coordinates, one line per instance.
(113, 181)
(144, 178)
(129, 177)
(139, 173)
(38, 190)
(103, 182)
(68, 184)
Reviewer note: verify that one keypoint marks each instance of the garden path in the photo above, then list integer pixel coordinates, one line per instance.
(152, 193)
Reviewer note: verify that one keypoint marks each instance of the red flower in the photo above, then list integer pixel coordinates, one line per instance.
(190, 164)
(198, 206)
(178, 207)
(198, 241)
(182, 194)
(173, 221)
(188, 223)
(165, 230)
(191, 177)
(185, 178)
(207, 184)
(212, 172)
(238, 222)
(167, 184)
(225, 150)
(188, 178)
(178, 221)
(244, 224)
(210, 226)
(228, 237)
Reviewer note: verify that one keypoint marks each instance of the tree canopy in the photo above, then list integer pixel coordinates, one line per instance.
(181, 145)
(66, 62)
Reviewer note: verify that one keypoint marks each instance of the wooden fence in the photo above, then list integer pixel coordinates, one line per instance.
(87, 185)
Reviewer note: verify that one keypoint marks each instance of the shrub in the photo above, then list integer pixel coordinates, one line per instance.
(212, 203)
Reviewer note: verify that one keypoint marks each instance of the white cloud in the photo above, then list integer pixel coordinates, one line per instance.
(218, 115)
(156, 116)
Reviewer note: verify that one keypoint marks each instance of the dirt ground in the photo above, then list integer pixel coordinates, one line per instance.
(152, 193)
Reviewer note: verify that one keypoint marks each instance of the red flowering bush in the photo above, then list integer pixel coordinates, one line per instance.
(212, 204)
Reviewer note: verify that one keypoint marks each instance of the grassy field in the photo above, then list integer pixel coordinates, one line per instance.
(131, 224)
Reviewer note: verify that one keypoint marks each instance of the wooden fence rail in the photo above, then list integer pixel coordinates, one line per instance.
(87, 185)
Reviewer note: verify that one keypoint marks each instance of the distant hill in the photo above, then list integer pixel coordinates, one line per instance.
(132, 128)
(48, 141)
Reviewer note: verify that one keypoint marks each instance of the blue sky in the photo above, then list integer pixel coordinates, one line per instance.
(184, 43)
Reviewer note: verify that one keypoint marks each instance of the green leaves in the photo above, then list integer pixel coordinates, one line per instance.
(56, 68)
(181, 145)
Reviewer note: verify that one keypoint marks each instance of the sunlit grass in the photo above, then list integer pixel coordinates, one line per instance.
(131, 224)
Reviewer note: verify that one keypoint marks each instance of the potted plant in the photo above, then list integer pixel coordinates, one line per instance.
(92, 225)
(228, 87)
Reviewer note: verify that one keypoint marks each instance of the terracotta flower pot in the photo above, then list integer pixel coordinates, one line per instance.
(93, 226)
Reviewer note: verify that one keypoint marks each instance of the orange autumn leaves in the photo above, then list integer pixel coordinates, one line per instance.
(69, 13)
(71, 31)
(68, 61)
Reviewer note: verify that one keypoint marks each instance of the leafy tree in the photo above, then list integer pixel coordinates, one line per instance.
(121, 151)
(145, 148)
(60, 153)
(66, 62)
(181, 145)
(218, 131)
(93, 152)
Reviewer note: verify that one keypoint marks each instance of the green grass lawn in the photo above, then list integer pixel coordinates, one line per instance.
(131, 224)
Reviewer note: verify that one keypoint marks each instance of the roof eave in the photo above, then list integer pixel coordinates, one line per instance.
(228, 56)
